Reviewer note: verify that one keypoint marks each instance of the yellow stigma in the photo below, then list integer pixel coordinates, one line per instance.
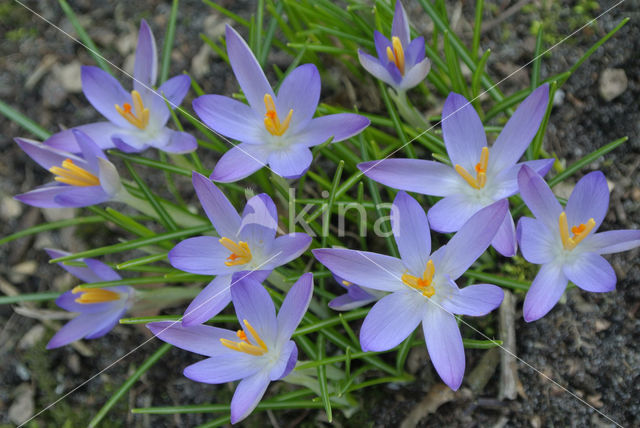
(139, 117)
(346, 283)
(72, 174)
(422, 284)
(245, 345)
(240, 252)
(271, 119)
(579, 232)
(396, 55)
(95, 295)
(481, 171)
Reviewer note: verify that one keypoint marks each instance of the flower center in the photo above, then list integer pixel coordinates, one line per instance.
(579, 232)
(346, 283)
(245, 345)
(422, 284)
(139, 117)
(72, 174)
(240, 252)
(95, 295)
(271, 119)
(396, 55)
(481, 171)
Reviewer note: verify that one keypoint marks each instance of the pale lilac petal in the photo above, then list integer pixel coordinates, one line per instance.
(82, 326)
(286, 362)
(211, 300)
(109, 177)
(222, 214)
(129, 143)
(82, 196)
(42, 197)
(591, 272)
(415, 52)
(291, 162)
(362, 267)
(472, 240)
(201, 339)
(250, 76)
(589, 199)
(347, 302)
(337, 126)
(223, 368)
(475, 300)
(413, 175)
(411, 231)
(519, 130)
(230, 118)
(247, 396)
(239, 162)
(508, 178)
(462, 131)
(539, 198)
(253, 304)
(400, 25)
(374, 66)
(537, 242)
(416, 74)
(106, 328)
(505, 240)
(381, 43)
(103, 92)
(44, 155)
(444, 344)
(180, 143)
(452, 212)
(203, 255)
(545, 291)
(145, 68)
(90, 151)
(103, 271)
(67, 301)
(614, 241)
(175, 89)
(391, 320)
(299, 91)
(294, 306)
(288, 247)
(259, 222)
(84, 273)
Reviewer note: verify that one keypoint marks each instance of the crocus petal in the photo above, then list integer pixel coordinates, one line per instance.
(591, 272)
(381, 43)
(519, 130)
(211, 300)
(259, 221)
(291, 162)
(175, 89)
(247, 396)
(444, 344)
(67, 301)
(230, 118)
(201, 339)
(223, 216)
(400, 25)
(203, 255)
(415, 52)
(374, 66)
(294, 306)
(82, 196)
(129, 143)
(462, 131)
(288, 247)
(536, 241)
(239, 162)
(104, 92)
(391, 320)
(103, 272)
(416, 74)
(250, 76)
(302, 80)
(508, 178)
(589, 199)
(253, 304)
(228, 367)
(145, 68)
(81, 326)
(42, 197)
(180, 143)
(286, 362)
(545, 291)
(614, 241)
(362, 267)
(472, 240)
(84, 273)
(475, 300)
(539, 197)
(106, 328)
(339, 126)
(413, 175)
(411, 231)
(109, 177)
(505, 240)
(346, 303)
(44, 155)
(452, 212)
(90, 151)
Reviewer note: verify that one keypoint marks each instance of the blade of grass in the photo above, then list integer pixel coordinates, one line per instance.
(22, 120)
(322, 380)
(477, 26)
(35, 297)
(51, 226)
(533, 151)
(168, 42)
(537, 61)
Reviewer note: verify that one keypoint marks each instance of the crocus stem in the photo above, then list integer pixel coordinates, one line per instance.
(183, 218)
(407, 111)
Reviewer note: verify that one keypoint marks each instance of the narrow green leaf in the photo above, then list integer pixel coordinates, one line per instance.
(396, 121)
(35, 297)
(533, 151)
(215, 408)
(51, 226)
(322, 380)
(498, 280)
(537, 60)
(453, 65)
(168, 42)
(141, 261)
(403, 353)
(481, 344)
(22, 120)
(475, 78)
(227, 13)
(477, 29)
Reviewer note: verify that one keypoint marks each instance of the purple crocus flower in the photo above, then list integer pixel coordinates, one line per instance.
(401, 62)
(80, 180)
(261, 352)
(422, 284)
(136, 120)
(565, 242)
(355, 297)
(99, 308)
(274, 130)
(480, 176)
(245, 244)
